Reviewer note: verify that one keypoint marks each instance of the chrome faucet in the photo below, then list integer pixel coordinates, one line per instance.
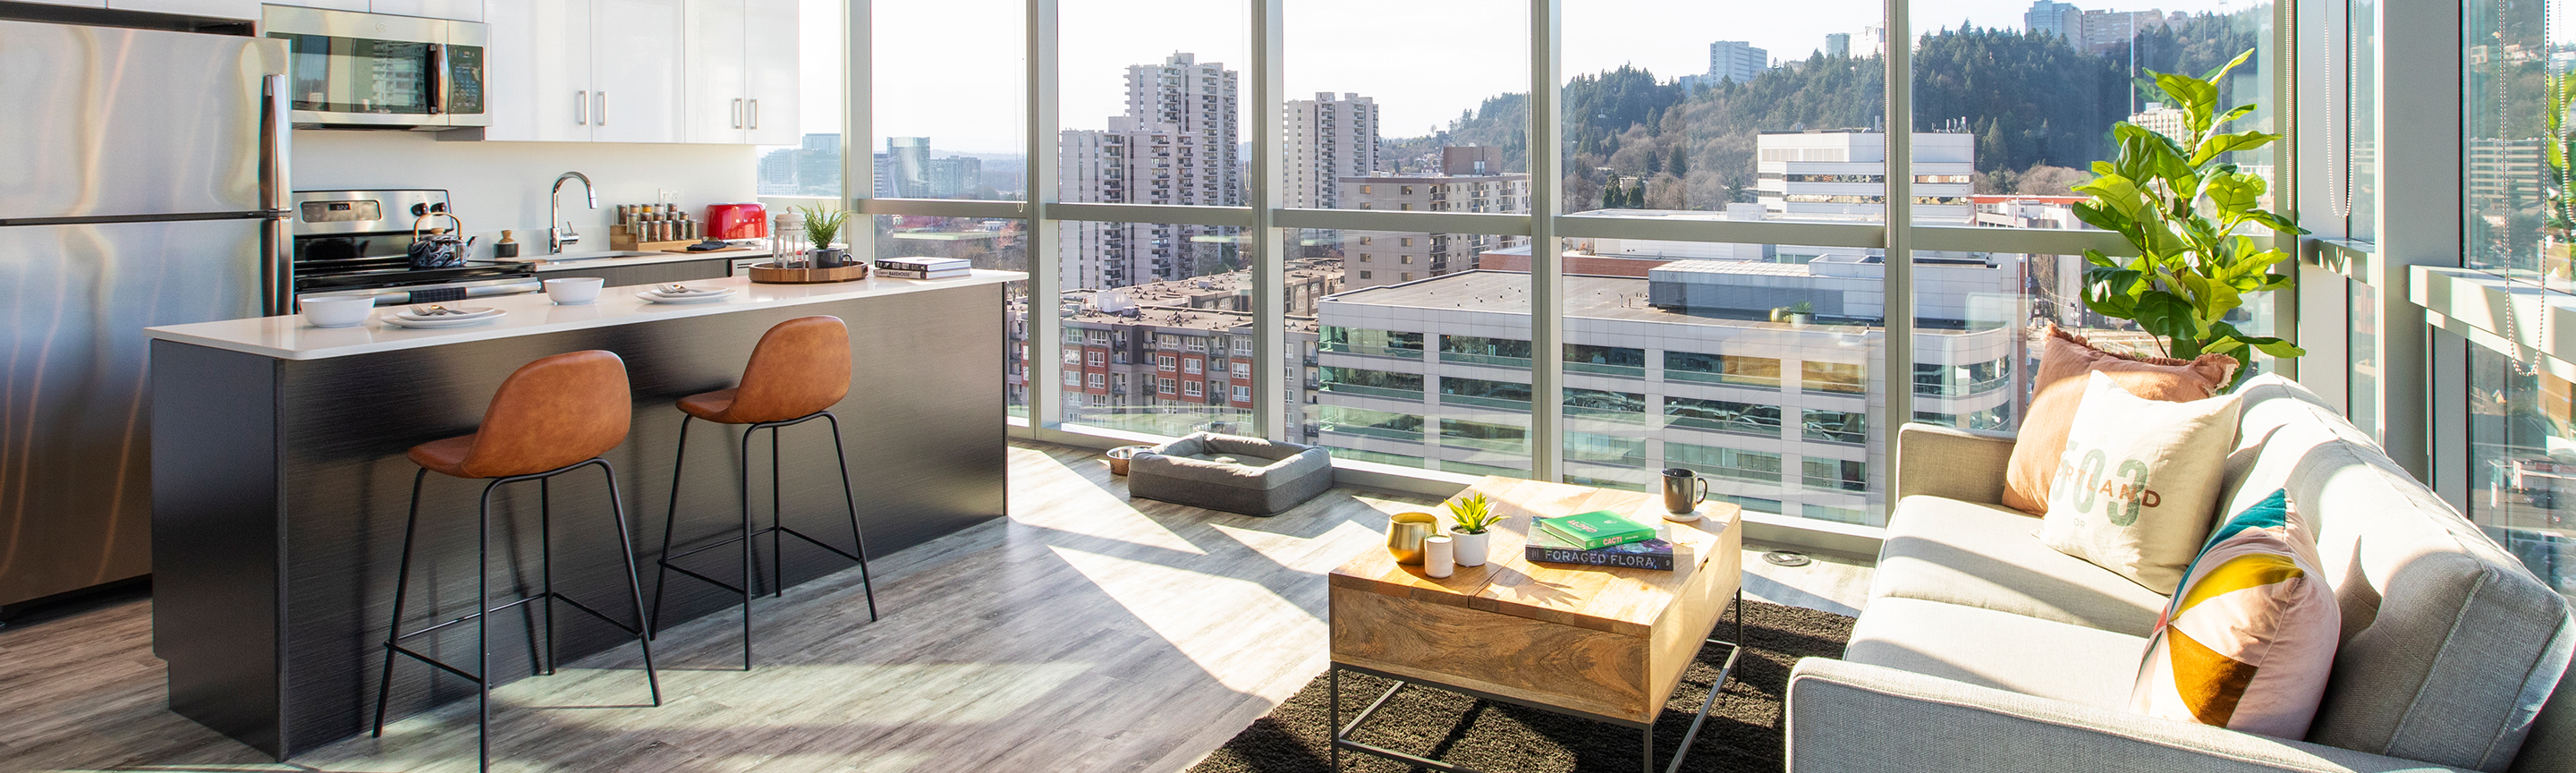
(559, 233)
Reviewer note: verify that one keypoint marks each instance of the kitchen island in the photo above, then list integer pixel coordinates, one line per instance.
(279, 482)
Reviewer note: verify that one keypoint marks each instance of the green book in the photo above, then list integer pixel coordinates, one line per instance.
(1598, 529)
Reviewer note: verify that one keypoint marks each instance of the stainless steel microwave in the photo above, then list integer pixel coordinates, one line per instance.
(379, 71)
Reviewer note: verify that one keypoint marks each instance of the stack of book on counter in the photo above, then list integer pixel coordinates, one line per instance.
(923, 268)
(1598, 538)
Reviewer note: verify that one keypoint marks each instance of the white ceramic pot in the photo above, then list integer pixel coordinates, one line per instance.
(1471, 547)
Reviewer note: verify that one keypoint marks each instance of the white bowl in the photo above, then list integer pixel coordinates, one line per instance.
(336, 312)
(574, 291)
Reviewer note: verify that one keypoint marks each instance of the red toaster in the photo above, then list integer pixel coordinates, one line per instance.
(738, 221)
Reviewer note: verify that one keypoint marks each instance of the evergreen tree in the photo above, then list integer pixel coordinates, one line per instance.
(1680, 163)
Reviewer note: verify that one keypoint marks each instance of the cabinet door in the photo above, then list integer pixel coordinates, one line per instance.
(539, 68)
(773, 116)
(460, 10)
(713, 57)
(635, 70)
(219, 9)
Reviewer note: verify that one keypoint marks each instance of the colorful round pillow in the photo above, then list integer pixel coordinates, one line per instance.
(2249, 639)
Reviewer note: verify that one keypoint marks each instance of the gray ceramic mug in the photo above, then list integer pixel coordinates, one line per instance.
(1683, 490)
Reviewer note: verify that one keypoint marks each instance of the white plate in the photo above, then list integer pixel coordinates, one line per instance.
(412, 313)
(691, 291)
(650, 297)
(397, 320)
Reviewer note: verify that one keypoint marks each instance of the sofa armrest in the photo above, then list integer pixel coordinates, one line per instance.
(1844, 716)
(1951, 463)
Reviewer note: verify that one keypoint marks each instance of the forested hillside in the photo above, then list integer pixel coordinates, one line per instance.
(2042, 111)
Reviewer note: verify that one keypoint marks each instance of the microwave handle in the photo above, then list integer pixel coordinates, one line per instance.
(437, 77)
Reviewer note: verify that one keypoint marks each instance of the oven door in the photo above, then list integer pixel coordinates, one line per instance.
(437, 293)
(365, 70)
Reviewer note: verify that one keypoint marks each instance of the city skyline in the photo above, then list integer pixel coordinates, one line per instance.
(1095, 48)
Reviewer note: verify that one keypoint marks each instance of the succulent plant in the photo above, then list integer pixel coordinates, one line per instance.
(1474, 514)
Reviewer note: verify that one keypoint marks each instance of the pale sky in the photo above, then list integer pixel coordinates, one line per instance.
(951, 69)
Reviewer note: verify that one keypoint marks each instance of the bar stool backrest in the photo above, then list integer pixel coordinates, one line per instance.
(802, 366)
(553, 412)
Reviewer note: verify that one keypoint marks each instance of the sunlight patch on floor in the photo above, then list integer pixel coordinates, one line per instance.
(1174, 603)
(1093, 511)
(782, 695)
(1312, 555)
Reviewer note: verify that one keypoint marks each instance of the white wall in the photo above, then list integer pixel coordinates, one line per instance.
(497, 185)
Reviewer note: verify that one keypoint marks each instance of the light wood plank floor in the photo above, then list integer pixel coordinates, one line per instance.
(1084, 633)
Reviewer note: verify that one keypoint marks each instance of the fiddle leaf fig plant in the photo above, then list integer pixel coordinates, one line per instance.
(2182, 208)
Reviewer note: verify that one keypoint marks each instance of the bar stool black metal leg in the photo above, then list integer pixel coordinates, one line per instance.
(402, 584)
(746, 546)
(483, 629)
(634, 580)
(670, 516)
(777, 501)
(866, 584)
(546, 564)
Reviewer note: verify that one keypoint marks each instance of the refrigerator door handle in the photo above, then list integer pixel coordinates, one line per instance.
(277, 258)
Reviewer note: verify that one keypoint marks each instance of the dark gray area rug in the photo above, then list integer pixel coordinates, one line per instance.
(1743, 731)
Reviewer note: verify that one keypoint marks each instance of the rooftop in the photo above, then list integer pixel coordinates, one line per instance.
(1597, 297)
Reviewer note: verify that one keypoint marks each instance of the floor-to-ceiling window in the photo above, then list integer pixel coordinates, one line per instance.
(1351, 224)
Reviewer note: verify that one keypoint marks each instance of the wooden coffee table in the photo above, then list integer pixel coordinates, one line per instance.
(1607, 644)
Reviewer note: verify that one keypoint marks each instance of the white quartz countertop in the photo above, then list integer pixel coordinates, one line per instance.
(289, 338)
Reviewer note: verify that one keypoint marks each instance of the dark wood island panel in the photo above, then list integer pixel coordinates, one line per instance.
(280, 486)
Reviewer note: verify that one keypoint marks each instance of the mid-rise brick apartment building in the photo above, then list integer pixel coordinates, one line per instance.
(1470, 180)
(1176, 356)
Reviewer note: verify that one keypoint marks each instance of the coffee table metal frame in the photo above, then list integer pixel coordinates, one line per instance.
(1342, 732)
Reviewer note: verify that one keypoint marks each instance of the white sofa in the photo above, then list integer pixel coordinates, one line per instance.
(1983, 650)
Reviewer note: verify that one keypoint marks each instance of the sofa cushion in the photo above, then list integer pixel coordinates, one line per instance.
(2001, 650)
(2250, 638)
(1986, 556)
(2057, 389)
(2138, 486)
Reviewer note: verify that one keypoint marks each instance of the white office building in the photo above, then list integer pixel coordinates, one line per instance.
(1681, 368)
(1839, 174)
(1736, 60)
(1327, 139)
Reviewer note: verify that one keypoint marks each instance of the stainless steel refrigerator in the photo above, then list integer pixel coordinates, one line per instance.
(142, 182)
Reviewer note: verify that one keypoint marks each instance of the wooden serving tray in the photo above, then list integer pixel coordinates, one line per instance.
(770, 273)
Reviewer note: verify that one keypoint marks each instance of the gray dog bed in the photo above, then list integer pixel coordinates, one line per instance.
(1236, 474)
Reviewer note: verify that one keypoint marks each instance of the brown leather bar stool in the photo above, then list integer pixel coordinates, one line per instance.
(553, 416)
(800, 369)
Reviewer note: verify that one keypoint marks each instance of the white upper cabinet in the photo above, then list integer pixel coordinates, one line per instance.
(635, 81)
(540, 63)
(717, 107)
(460, 10)
(360, 6)
(703, 71)
(772, 67)
(220, 9)
(741, 58)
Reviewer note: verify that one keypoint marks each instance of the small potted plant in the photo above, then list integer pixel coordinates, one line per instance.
(821, 226)
(1474, 520)
(1800, 313)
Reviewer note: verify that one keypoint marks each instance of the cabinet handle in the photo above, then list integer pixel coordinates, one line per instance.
(581, 107)
(737, 112)
(755, 114)
(602, 118)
